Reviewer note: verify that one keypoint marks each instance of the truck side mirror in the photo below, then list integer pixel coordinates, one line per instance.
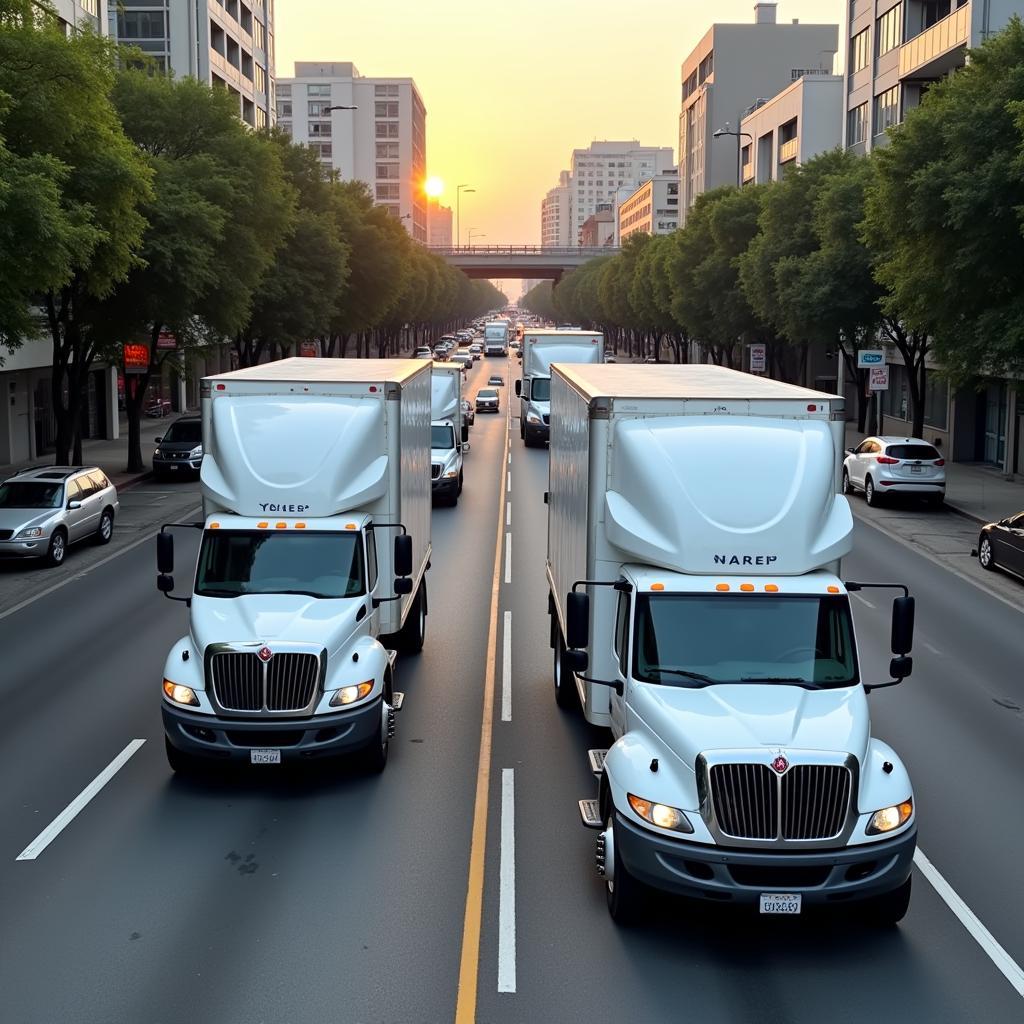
(577, 620)
(403, 585)
(902, 625)
(519, 389)
(164, 553)
(403, 555)
(164, 583)
(576, 661)
(901, 667)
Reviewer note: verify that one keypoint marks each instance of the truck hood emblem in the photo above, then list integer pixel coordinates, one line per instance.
(780, 764)
(264, 654)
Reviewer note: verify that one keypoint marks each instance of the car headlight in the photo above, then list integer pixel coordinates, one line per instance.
(659, 814)
(180, 694)
(29, 531)
(532, 417)
(350, 694)
(889, 818)
(158, 454)
(196, 452)
(452, 473)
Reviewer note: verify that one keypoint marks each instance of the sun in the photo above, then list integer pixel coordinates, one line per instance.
(433, 186)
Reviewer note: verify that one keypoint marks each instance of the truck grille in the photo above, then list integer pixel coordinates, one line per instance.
(809, 801)
(546, 418)
(435, 472)
(6, 534)
(241, 682)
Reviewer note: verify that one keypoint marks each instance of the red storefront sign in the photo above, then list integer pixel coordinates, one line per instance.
(136, 358)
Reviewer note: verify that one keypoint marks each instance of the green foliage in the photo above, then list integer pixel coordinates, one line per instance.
(540, 301)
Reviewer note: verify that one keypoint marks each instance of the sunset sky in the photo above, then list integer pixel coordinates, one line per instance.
(510, 94)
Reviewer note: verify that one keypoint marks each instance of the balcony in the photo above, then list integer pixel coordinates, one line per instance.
(939, 49)
(788, 150)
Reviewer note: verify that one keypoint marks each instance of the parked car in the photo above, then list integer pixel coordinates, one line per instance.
(886, 465)
(468, 412)
(1001, 545)
(496, 380)
(180, 451)
(487, 400)
(423, 352)
(44, 510)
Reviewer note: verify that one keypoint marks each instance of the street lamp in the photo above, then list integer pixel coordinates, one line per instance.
(472, 232)
(459, 189)
(719, 132)
(339, 107)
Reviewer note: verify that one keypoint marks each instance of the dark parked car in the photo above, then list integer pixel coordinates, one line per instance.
(496, 380)
(180, 451)
(1001, 545)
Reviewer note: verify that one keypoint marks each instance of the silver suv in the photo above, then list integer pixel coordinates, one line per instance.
(44, 510)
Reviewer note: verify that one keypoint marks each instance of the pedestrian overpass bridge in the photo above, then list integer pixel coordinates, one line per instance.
(528, 262)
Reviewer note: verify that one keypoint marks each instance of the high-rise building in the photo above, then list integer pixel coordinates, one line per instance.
(556, 224)
(728, 70)
(652, 208)
(439, 224)
(226, 43)
(382, 141)
(73, 14)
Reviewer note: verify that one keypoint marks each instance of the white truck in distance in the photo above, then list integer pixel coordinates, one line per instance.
(448, 432)
(311, 568)
(694, 541)
(496, 338)
(540, 349)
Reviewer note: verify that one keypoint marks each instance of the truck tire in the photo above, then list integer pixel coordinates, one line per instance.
(409, 639)
(565, 686)
(888, 909)
(180, 762)
(522, 429)
(460, 484)
(373, 758)
(626, 896)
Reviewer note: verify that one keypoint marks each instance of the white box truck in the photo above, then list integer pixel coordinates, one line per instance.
(540, 349)
(694, 541)
(496, 338)
(311, 567)
(448, 432)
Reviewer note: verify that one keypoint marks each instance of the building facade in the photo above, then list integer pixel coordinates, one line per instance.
(382, 142)
(556, 223)
(653, 208)
(802, 121)
(728, 70)
(598, 229)
(439, 224)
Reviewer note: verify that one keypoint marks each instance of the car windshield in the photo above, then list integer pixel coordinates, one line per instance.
(696, 639)
(540, 389)
(487, 393)
(185, 431)
(30, 494)
(925, 452)
(234, 563)
(442, 437)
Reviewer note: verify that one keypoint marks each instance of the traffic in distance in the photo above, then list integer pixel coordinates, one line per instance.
(708, 675)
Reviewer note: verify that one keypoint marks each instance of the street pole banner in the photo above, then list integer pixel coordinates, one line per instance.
(758, 358)
(878, 378)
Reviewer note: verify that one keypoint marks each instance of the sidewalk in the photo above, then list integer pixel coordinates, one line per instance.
(973, 489)
(110, 456)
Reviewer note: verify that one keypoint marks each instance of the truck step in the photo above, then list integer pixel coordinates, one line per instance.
(590, 812)
(392, 655)
(596, 758)
(397, 699)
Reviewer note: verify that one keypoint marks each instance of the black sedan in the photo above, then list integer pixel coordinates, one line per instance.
(1001, 545)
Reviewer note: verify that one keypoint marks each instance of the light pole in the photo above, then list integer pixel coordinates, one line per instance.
(459, 189)
(718, 133)
(473, 231)
(340, 106)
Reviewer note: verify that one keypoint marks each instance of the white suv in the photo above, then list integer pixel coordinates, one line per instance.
(895, 465)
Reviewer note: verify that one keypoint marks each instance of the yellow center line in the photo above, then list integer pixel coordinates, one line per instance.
(469, 964)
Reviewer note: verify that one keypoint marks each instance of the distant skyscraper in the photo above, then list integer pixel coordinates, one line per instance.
(556, 215)
(439, 224)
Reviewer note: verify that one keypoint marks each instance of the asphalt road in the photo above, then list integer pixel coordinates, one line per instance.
(293, 896)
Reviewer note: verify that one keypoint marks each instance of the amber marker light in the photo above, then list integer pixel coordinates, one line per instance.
(262, 526)
(771, 588)
(281, 526)
(747, 588)
(723, 587)
(657, 586)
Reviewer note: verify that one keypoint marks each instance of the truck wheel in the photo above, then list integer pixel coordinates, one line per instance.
(522, 429)
(565, 686)
(180, 762)
(890, 908)
(627, 897)
(409, 639)
(460, 482)
(373, 758)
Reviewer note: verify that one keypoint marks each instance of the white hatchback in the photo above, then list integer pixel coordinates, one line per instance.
(882, 465)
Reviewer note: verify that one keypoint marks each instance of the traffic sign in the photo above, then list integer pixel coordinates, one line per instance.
(758, 358)
(878, 378)
(868, 357)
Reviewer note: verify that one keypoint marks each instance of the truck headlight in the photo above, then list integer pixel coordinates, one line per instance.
(660, 814)
(452, 473)
(29, 531)
(180, 694)
(532, 417)
(196, 452)
(889, 818)
(350, 694)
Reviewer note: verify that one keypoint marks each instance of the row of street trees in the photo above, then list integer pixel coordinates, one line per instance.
(132, 204)
(921, 245)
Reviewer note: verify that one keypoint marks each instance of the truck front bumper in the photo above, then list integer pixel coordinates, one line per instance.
(298, 739)
(444, 487)
(537, 432)
(741, 875)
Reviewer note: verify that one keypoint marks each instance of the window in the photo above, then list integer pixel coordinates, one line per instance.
(319, 129)
(141, 25)
(99, 479)
(385, 109)
(259, 38)
(388, 191)
(859, 51)
(86, 488)
(261, 118)
(887, 109)
(387, 151)
(318, 90)
(371, 560)
(857, 125)
(936, 401)
(90, 7)
(284, 91)
(386, 131)
(284, 109)
(260, 79)
(622, 634)
(318, 108)
(890, 30)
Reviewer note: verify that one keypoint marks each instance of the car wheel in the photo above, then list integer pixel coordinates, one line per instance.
(890, 908)
(565, 686)
(847, 486)
(986, 556)
(105, 531)
(870, 494)
(57, 550)
(626, 896)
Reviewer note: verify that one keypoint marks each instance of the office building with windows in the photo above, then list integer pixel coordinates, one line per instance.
(439, 224)
(382, 141)
(556, 224)
(75, 14)
(724, 75)
(653, 208)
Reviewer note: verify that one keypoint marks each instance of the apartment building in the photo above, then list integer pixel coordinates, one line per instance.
(598, 229)
(75, 14)
(728, 70)
(439, 224)
(380, 137)
(652, 208)
(556, 223)
(803, 120)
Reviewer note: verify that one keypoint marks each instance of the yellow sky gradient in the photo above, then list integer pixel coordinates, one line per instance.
(511, 91)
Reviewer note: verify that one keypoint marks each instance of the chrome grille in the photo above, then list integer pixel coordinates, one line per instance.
(241, 681)
(808, 802)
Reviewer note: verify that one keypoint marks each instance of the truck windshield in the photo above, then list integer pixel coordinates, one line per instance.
(442, 437)
(234, 563)
(697, 639)
(540, 389)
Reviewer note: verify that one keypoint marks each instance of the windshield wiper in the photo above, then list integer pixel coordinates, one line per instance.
(773, 679)
(684, 674)
(214, 592)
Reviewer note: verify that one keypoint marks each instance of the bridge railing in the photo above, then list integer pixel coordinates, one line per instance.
(575, 251)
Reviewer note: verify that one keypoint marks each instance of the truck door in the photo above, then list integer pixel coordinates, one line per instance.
(618, 704)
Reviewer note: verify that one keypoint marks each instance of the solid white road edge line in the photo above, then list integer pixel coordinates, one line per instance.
(507, 886)
(85, 572)
(1005, 964)
(506, 669)
(68, 815)
(508, 557)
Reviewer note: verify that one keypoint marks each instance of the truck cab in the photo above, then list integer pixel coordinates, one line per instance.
(449, 433)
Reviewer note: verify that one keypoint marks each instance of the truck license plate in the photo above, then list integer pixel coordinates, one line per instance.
(780, 903)
(274, 757)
